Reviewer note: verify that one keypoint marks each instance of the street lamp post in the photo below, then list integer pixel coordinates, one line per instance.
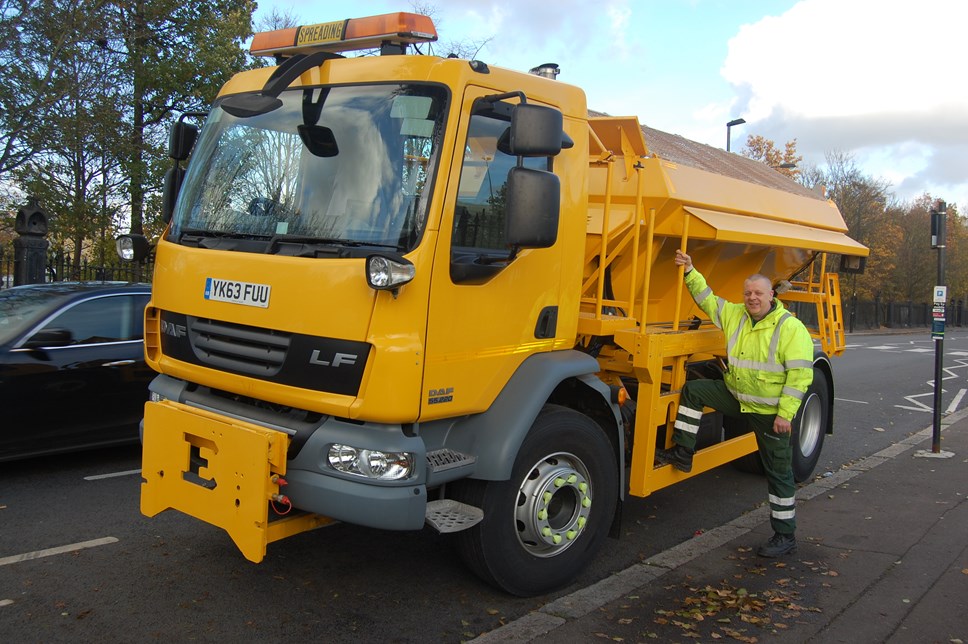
(730, 125)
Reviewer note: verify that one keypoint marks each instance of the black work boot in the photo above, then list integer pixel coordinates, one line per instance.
(677, 456)
(779, 544)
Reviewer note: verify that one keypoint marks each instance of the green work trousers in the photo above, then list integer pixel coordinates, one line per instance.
(775, 450)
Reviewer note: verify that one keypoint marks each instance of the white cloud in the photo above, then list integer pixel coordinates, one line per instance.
(877, 78)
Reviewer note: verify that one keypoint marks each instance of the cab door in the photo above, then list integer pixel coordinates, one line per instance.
(487, 312)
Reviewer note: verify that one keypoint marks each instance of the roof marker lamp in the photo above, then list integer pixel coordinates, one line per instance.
(387, 272)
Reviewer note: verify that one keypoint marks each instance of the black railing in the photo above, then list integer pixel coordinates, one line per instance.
(869, 315)
(60, 268)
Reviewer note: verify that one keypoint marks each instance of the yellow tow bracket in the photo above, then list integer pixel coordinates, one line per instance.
(219, 470)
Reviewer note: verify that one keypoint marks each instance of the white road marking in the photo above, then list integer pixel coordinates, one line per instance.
(859, 402)
(957, 401)
(919, 351)
(38, 554)
(920, 405)
(98, 477)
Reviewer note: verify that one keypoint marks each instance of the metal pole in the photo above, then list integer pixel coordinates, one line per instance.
(938, 214)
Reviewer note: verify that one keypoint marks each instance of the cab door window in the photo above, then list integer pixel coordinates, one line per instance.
(479, 246)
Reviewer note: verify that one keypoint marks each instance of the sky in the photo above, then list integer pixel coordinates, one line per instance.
(883, 81)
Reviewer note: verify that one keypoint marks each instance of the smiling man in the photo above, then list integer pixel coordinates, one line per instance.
(770, 356)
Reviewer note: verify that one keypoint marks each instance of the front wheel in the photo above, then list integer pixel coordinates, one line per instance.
(542, 526)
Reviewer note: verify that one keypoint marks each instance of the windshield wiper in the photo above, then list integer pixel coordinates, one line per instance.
(307, 246)
(218, 240)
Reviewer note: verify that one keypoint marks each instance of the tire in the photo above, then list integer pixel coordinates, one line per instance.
(809, 429)
(542, 526)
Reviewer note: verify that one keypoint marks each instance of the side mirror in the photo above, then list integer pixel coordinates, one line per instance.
(170, 190)
(50, 338)
(181, 140)
(533, 205)
(536, 131)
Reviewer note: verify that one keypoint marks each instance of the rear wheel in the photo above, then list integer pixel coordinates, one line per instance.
(810, 427)
(542, 526)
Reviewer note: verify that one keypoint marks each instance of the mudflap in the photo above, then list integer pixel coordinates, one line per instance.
(219, 470)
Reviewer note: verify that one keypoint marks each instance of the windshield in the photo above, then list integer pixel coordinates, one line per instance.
(331, 167)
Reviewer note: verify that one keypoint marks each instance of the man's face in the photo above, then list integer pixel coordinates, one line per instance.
(757, 296)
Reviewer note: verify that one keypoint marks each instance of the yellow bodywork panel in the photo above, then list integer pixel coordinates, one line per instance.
(219, 470)
(765, 232)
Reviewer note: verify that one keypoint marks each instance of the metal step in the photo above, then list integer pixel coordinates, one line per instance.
(445, 459)
(447, 515)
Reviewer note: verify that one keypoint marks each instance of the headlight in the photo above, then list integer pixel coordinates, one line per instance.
(388, 273)
(371, 463)
(132, 248)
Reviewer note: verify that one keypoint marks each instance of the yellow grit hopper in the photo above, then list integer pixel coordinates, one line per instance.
(643, 206)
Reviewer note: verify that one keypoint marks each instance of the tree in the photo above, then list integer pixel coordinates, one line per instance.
(176, 55)
(871, 218)
(33, 37)
(76, 174)
(762, 149)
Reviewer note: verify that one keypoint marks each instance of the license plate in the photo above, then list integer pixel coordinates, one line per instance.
(237, 292)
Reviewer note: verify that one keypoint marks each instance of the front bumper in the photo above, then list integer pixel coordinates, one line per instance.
(225, 471)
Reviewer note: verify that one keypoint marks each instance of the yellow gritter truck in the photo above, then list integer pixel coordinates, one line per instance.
(402, 290)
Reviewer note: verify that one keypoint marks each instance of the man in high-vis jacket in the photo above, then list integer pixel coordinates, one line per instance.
(770, 356)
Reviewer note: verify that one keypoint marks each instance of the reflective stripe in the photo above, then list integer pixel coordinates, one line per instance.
(689, 411)
(758, 366)
(735, 337)
(689, 428)
(798, 364)
(779, 500)
(794, 393)
(775, 340)
(719, 313)
(756, 400)
(702, 295)
(786, 514)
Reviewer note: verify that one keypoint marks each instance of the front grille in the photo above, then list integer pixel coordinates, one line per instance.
(244, 349)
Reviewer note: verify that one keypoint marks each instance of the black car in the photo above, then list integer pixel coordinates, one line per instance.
(72, 368)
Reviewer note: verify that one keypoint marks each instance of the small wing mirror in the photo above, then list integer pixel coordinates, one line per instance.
(50, 338)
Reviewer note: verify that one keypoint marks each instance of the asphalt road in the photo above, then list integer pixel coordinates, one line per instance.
(173, 578)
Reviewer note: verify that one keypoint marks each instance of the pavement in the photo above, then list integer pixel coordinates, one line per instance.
(882, 557)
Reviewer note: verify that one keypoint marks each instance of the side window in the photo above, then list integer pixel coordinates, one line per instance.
(113, 318)
(479, 235)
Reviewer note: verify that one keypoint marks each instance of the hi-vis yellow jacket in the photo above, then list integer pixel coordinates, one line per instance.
(770, 363)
